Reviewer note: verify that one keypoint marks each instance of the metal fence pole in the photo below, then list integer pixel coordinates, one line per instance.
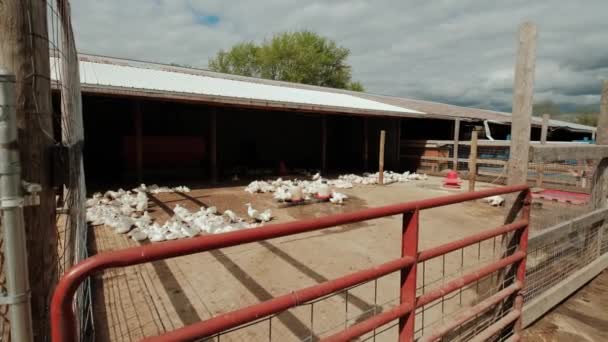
(409, 247)
(11, 204)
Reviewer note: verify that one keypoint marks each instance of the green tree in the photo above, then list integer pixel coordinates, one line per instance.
(301, 57)
(546, 107)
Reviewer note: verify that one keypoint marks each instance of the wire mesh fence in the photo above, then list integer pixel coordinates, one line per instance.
(67, 136)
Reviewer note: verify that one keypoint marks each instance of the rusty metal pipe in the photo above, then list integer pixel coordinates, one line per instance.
(471, 312)
(62, 317)
(251, 313)
(497, 326)
(400, 311)
(458, 244)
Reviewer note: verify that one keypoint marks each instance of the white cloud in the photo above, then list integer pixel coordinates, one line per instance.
(454, 51)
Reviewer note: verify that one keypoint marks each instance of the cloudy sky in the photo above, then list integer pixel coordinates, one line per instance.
(459, 52)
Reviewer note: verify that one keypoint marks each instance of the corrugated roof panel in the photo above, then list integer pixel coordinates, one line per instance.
(161, 80)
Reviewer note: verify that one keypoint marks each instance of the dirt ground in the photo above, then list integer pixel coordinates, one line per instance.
(146, 300)
(582, 317)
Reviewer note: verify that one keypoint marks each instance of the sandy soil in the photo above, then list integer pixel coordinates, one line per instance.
(134, 302)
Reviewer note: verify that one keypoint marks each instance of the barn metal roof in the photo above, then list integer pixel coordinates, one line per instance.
(136, 77)
(109, 75)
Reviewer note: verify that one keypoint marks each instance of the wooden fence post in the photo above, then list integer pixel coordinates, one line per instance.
(523, 87)
(473, 161)
(381, 158)
(540, 168)
(456, 142)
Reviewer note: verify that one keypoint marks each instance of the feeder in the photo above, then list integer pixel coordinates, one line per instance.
(451, 180)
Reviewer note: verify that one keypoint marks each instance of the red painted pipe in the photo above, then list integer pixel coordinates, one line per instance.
(471, 312)
(469, 240)
(385, 317)
(63, 326)
(251, 313)
(495, 328)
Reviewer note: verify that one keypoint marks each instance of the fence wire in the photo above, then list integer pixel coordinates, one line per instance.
(67, 116)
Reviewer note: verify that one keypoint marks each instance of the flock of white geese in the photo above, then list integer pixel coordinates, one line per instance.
(126, 211)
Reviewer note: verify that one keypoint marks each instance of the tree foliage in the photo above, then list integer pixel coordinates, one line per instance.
(301, 57)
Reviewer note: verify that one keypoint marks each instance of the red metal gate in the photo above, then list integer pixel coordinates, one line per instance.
(62, 316)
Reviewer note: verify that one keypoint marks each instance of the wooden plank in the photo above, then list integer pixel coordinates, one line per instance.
(456, 142)
(137, 121)
(24, 52)
(563, 229)
(213, 145)
(323, 144)
(523, 88)
(551, 153)
(542, 304)
(543, 140)
(381, 158)
(460, 160)
(366, 143)
(601, 135)
(599, 183)
(397, 144)
(473, 161)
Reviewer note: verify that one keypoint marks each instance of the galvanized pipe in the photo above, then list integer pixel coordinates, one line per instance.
(11, 204)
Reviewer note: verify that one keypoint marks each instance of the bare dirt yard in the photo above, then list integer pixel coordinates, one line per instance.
(149, 299)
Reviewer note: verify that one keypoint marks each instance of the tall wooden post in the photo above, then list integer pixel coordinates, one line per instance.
(381, 158)
(517, 169)
(213, 145)
(599, 186)
(324, 144)
(24, 51)
(366, 144)
(456, 142)
(398, 145)
(139, 146)
(473, 161)
(540, 168)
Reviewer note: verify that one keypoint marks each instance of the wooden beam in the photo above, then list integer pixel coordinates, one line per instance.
(564, 229)
(473, 161)
(381, 158)
(550, 153)
(397, 144)
(456, 142)
(24, 52)
(601, 135)
(540, 171)
(324, 144)
(139, 147)
(366, 143)
(213, 145)
(517, 169)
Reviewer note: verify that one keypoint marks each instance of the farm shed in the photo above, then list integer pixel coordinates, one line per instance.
(146, 122)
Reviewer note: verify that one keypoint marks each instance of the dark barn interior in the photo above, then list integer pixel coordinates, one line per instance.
(130, 140)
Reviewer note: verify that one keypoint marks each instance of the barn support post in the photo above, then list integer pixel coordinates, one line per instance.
(24, 52)
(323, 144)
(473, 161)
(456, 142)
(139, 149)
(381, 158)
(366, 144)
(521, 121)
(540, 168)
(213, 146)
(398, 145)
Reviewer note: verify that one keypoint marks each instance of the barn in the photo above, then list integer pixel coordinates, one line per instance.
(150, 122)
